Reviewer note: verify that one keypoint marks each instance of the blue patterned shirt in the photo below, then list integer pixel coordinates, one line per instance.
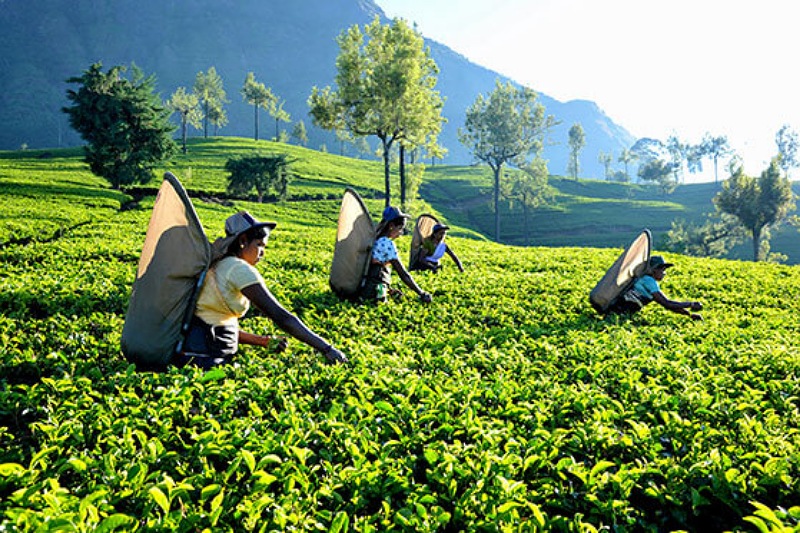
(384, 250)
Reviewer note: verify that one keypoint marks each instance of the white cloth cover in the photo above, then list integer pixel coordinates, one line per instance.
(422, 229)
(354, 237)
(174, 259)
(628, 266)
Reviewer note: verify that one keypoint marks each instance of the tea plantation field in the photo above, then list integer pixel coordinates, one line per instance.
(505, 405)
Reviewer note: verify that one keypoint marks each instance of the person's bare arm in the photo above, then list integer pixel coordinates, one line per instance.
(260, 296)
(455, 258)
(682, 308)
(273, 342)
(406, 278)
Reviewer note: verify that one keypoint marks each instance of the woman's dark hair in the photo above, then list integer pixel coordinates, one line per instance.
(398, 222)
(250, 235)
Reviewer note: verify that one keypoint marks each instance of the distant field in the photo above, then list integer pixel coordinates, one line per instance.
(584, 212)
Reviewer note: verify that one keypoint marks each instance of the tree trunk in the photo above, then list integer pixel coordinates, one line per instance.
(256, 119)
(205, 119)
(756, 243)
(497, 202)
(527, 229)
(386, 181)
(183, 134)
(402, 176)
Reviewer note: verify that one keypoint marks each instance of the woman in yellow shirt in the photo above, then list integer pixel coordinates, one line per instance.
(231, 285)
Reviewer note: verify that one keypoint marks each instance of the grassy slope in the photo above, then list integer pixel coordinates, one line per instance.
(505, 401)
(585, 212)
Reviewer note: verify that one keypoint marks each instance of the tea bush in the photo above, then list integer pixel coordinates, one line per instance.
(505, 405)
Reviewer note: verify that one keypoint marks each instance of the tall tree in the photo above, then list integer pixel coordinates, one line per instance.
(626, 157)
(716, 148)
(280, 115)
(757, 203)
(384, 85)
(660, 173)
(299, 133)
(186, 105)
(257, 95)
(694, 157)
(125, 124)
(209, 89)
(217, 117)
(714, 238)
(529, 187)
(507, 127)
(577, 140)
(606, 159)
(678, 153)
(787, 142)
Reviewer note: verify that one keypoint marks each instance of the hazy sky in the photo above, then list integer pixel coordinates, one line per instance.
(657, 68)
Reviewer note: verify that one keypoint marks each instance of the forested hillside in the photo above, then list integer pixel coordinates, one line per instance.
(290, 47)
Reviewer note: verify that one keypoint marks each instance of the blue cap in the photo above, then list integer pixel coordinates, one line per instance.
(658, 262)
(438, 227)
(393, 213)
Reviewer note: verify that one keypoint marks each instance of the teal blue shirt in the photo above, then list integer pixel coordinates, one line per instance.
(647, 286)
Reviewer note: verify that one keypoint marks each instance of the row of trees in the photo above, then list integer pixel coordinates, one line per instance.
(665, 163)
(206, 104)
(746, 207)
(385, 87)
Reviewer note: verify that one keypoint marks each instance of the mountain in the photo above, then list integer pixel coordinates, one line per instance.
(289, 46)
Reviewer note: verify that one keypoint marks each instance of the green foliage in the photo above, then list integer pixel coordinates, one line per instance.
(530, 189)
(577, 140)
(299, 133)
(261, 173)
(661, 173)
(187, 107)
(788, 143)
(257, 95)
(385, 87)
(505, 405)
(210, 91)
(507, 127)
(123, 122)
(626, 157)
(757, 203)
(715, 147)
(714, 238)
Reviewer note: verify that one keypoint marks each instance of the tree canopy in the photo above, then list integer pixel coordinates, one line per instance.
(259, 172)
(787, 142)
(660, 173)
(715, 147)
(385, 87)
(187, 107)
(757, 203)
(577, 140)
(506, 127)
(209, 88)
(123, 121)
(257, 95)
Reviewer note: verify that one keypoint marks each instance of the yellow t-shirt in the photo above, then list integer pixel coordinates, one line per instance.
(221, 302)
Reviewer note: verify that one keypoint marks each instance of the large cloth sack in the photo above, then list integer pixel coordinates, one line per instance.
(175, 257)
(355, 236)
(422, 230)
(628, 266)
